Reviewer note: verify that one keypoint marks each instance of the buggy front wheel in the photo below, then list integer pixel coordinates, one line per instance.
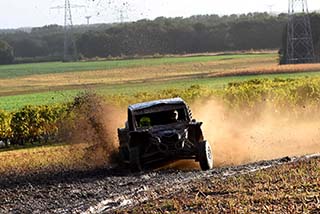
(205, 156)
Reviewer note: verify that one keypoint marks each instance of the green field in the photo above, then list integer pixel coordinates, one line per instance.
(20, 70)
(11, 103)
(57, 82)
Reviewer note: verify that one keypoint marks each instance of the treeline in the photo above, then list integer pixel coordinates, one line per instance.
(190, 35)
(203, 33)
(42, 43)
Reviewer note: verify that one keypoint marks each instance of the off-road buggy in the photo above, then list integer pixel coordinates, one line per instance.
(162, 131)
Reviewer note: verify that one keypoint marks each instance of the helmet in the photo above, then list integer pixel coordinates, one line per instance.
(145, 121)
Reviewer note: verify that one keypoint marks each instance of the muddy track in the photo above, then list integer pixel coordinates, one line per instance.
(104, 190)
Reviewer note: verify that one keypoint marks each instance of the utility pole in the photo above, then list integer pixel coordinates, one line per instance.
(300, 47)
(88, 19)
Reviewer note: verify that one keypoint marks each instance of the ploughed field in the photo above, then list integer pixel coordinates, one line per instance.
(279, 186)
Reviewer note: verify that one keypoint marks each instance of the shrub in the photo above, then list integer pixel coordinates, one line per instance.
(5, 129)
(36, 123)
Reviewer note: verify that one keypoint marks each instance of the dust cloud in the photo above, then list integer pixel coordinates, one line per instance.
(239, 139)
(93, 125)
(235, 137)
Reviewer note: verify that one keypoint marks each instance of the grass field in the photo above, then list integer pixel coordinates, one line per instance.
(20, 70)
(49, 83)
(83, 75)
(53, 157)
(15, 102)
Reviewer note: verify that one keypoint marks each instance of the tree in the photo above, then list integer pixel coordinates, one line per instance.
(31, 47)
(6, 53)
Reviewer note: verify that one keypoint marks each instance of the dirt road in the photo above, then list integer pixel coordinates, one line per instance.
(105, 190)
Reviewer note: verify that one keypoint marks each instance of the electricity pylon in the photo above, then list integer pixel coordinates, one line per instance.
(70, 48)
(300, 47)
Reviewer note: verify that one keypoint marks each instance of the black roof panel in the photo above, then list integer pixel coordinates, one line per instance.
(172, 101)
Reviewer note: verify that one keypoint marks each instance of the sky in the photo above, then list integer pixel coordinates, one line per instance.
(35, 13)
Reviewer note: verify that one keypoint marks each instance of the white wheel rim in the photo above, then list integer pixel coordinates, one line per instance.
(209, 155)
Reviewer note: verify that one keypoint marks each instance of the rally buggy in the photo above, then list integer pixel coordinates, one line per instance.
(162, 131)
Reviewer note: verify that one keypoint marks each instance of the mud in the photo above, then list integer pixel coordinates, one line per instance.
(106, 190)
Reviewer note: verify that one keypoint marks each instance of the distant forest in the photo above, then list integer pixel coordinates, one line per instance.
(203, 33)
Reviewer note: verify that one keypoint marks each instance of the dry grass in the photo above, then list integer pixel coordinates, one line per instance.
(270, 69)
(220, 68)
(291, 188)
(42, 159)
(135, 75)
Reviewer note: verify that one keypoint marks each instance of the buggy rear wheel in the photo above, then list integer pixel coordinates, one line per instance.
(205, 156)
